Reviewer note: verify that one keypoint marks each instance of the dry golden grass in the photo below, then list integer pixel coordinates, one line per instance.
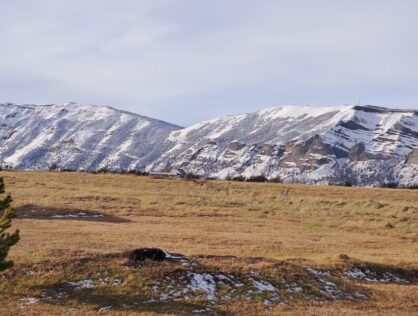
(218, 218)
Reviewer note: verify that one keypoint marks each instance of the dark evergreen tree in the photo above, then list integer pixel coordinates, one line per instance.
(7, 240)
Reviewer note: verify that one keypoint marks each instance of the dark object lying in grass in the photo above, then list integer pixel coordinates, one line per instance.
(143, 254)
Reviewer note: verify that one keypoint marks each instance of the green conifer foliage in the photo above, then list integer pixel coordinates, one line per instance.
(7, 240)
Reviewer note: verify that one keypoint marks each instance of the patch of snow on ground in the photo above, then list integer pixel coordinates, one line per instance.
(182, 259)
(329, 289)
(317, 272)
(29, 300)
(104, 309)
(371, 276)
(82, 284)
(263, 286)
(90, 283)
(77, 215)
(203, 310)
(202, 282)
(204, 285)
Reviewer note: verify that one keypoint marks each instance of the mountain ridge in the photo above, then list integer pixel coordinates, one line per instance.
(363, 145)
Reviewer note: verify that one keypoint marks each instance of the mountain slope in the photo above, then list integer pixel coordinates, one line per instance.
(363, 145)
(300, 143)
(74, 136)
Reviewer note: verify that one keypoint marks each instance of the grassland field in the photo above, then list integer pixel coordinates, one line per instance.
(79, 226)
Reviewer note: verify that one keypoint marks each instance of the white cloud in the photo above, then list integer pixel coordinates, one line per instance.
(188, 60)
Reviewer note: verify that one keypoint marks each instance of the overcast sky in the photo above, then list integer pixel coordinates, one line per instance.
(187, 60)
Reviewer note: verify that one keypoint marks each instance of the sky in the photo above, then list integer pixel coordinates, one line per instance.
(183, 61)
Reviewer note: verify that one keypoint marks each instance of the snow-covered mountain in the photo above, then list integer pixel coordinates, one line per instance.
(73, 136)
(363, 145)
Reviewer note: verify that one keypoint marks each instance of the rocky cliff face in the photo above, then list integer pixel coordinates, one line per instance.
(413, 157)
(363, 145)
